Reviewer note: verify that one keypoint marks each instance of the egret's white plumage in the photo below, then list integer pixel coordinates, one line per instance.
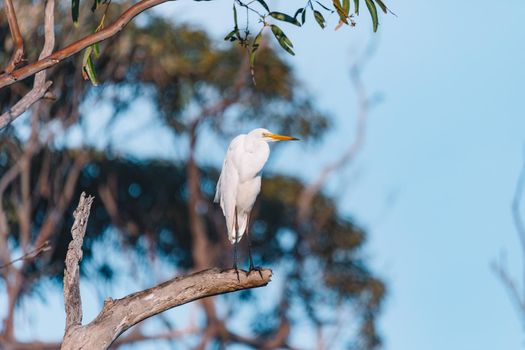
(240, 179)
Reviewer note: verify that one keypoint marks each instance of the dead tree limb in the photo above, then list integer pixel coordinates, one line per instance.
(119, 315)
(51, 60)
(72, 301)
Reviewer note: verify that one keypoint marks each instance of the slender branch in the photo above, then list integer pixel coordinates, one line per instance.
(18, 53)
(40, 85)
(72, 300)
(77, 46)
(30, 255)
(119, 315)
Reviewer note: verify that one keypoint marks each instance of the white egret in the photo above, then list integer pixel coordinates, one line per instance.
(240, 182)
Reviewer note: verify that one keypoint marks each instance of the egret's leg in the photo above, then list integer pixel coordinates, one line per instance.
(235, 250)
(252, 267)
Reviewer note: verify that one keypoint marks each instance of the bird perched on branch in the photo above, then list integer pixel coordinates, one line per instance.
(240, 182)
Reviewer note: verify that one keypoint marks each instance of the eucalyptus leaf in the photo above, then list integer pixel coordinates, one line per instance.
(231, 35)
(300, 10)
(382, 5)
(282, 39)
(284, 17)
(255, 46)
(319, 18)
(340, 11)
(303, 16)
(263, 4)
(356, 5)
(373, 12)
(88, 68)
(75, 5)
(96, 50)
(346, 7)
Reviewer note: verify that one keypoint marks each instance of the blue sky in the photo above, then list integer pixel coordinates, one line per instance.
(434, 181)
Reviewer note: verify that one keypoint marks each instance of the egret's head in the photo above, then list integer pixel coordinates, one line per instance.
(268, 136)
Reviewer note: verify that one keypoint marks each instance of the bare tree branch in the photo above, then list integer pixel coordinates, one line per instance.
(40, 85)
(30, 255)
(72, 300)
(51, 60)
(119, 315)
(18, 53)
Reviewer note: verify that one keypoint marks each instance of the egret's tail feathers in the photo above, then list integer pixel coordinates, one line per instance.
(242, 223)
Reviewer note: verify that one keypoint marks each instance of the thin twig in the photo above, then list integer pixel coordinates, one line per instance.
(18, 53)
(31, 255)
(77, 46)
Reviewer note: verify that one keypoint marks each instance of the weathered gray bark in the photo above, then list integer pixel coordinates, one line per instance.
(119, 315)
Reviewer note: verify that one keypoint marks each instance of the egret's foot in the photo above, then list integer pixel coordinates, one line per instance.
(255, 268)
(237, 272)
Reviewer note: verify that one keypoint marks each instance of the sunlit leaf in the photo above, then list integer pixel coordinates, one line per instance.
(282, 39)
(382, 5)
(88, 68)
(346, 7)
(231, 35)
(319, 18)
(373, 12)
(96, 50)
(75, 4)
(284, 17)
(235, 16)
(356, 5)
(340, 11)
(255, 46)
(263, 4)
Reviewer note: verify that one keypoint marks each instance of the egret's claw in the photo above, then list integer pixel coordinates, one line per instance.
(256, 268)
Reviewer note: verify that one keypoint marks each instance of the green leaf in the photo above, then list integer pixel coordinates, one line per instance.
(303, 16)
(231, 35)
(235, 16)
(340, 11)
(255, 46)
(356, 5)
(96, 50)
(263, 4)
(75, 4)
(346, 7)
(88, 68)
(300, 10)
(373, 12)
(319, 18)
(282, 39)
(95, 5)
(382, 5)
(284, 17)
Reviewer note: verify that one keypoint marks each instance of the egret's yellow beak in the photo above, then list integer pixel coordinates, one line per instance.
(280, 137)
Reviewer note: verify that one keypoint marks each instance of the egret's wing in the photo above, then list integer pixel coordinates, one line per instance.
(227, 185)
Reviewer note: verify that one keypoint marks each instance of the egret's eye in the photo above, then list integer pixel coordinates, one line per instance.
(265, 134)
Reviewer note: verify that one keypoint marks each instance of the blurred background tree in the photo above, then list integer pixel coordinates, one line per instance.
(155, 215)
